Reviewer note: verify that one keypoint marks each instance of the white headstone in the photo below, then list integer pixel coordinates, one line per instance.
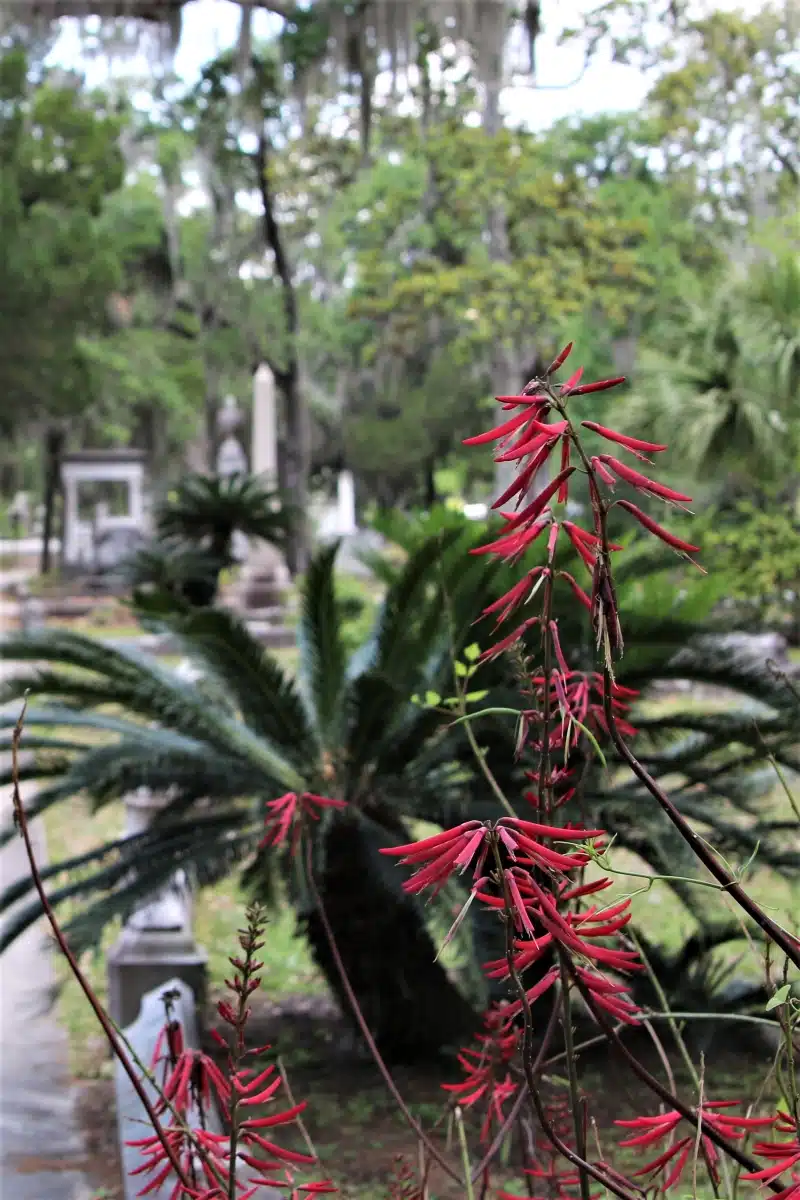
(264, 453)
(231, 458)
(346, 505)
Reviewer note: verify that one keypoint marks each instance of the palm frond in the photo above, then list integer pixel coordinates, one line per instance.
(321, 672)
(258, 686)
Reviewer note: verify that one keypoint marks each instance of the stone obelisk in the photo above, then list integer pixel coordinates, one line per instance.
(265, 576)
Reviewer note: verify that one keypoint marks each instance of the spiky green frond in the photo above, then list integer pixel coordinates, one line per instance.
(321, 673)
(259, 688)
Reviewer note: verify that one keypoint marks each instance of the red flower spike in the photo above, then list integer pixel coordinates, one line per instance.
(783, 1156)
(285, 815)
(642, 483)
(455, 849)
(601, 385)
(559, 360)
(671, 539)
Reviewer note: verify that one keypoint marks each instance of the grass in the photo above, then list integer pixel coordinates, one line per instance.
(218, 914)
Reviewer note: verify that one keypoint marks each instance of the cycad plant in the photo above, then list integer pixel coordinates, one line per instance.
(349, 727)
(194, 531)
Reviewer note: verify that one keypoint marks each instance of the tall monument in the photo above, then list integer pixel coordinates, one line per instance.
(265, 576)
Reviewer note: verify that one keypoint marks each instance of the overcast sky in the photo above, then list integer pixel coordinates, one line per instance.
(211, 25)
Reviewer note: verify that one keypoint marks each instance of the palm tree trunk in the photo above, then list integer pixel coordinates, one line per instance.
(410, 1004)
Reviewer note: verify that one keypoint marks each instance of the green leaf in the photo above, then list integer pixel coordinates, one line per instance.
(472, 652)
(462, 670)
(432, 699)
(780, 997)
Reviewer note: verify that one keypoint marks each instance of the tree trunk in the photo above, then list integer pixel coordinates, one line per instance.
(53, 447)
(431, 497)
(411, 1006)
(297, 468)
(294, 473)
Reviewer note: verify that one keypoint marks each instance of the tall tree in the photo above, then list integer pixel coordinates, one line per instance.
(58, 160)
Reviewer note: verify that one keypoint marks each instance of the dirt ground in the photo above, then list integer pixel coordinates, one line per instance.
(354, 1123)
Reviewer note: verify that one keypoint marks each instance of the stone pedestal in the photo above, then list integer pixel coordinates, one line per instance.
(142, 960)
(261, 596)
(157, 943)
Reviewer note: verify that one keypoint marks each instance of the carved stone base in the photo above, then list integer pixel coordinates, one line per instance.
(140, 961)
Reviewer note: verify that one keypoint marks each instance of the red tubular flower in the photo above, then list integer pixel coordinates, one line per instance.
(600, 385)
(568, 388)
(559, 360)
(286, 815)
(658, 1129)
(500, 431)
(512, 545)
(192, 1078)
(642, 483)
(455, 849)
(635, 445)
(783, 1156)
(684, 548)
(487, 1082)
(508, 641)
(515, 596)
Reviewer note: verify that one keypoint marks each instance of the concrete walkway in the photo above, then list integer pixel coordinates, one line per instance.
(40, 1149)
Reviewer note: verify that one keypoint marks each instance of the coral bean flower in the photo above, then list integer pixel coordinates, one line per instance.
(455, 849)
(486, 1070)
(286, 815)
(783, 1155)
(675, 1157)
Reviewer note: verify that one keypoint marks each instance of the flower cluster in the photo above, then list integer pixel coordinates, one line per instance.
(487, 1082)
(530, 438)
(782, 1156)
(193, 1089)
(287, 815)
(671, 1162)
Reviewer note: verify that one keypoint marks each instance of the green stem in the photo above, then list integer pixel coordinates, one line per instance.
(21, 822)
(497, 791)
(462, 1142)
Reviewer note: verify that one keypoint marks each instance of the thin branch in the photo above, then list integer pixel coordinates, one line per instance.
(786, 943)
(364, 1027)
